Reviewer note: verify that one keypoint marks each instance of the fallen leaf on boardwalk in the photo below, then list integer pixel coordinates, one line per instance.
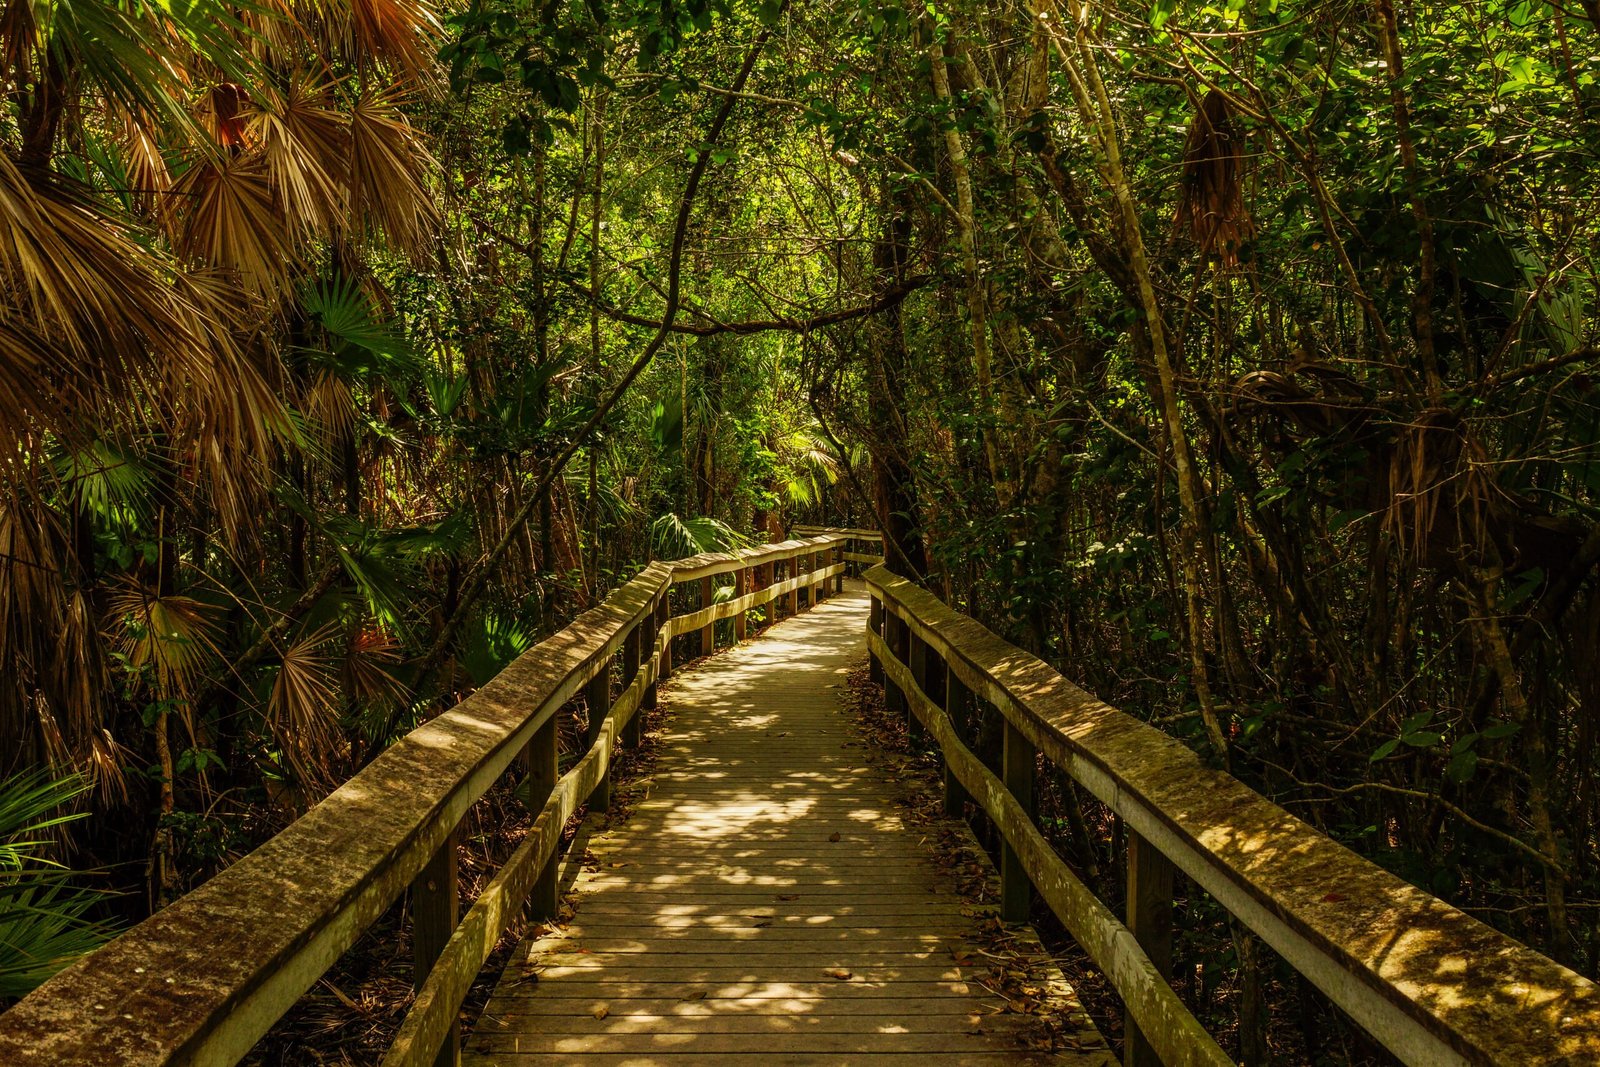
(788, 896)
(601, 1012)
(763, 924)
(697, 995)
(841, 974)
(834, 836)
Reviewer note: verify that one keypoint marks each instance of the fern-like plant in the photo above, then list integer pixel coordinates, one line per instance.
(45, 915)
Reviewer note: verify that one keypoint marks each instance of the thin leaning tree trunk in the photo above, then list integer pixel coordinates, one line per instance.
(1094, 106)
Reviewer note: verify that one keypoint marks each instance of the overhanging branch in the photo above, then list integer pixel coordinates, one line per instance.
(884, 300)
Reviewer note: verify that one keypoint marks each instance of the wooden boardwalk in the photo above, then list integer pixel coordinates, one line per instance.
(765, 902)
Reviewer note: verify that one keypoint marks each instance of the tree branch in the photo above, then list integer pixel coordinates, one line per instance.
(478, 578)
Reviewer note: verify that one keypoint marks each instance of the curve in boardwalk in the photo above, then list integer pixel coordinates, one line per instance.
(764, 901)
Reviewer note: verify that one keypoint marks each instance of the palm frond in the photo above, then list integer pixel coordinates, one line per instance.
(674, 537)
(305, 141)
(489, 643)
(303, 708)
(230, 219)
(168, 636)
(390, 173)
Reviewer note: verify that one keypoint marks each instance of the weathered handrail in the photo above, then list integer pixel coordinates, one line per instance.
(1429, 982)
(203, 980)
(857, 540)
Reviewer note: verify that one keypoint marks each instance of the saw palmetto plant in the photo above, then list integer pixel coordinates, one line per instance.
(190, 200)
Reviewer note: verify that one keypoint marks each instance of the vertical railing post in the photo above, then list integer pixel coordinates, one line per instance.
(741, 586)
(708, 632)
(630, 668)
(649, 626)
(895, 634)
(435, 909)
(819, 562)
(837, 555)
(1150, 887)
(957, 705)
(543, 759)
(597, 694)
(1017, 769)
(917, 650)
(875, 624)
(663, 617)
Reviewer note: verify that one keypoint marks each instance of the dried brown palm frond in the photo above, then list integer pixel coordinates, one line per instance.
(224, 417)
(169, 636)
(31, 393)
(229, 218)
(390, 172)
(1211, 205)
(32, 594)
(401, 34)
(149, 176)
(331, 407)
(306, 142)
(303, 709)
(81, 281)
(370, 658)
(71, 709)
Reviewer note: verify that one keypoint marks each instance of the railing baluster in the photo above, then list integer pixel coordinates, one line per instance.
(1150, 881)
(1016, 891)
(543, 758)
(630, 667)
(435, 910)
(875, 624)
(651, 624)
(708, 632)
(664, 671)
(954, 697)
(741, 586)
(917, 651)
(895, 633)
(598, 696)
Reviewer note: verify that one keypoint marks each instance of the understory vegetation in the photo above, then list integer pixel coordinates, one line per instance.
(1238, 360)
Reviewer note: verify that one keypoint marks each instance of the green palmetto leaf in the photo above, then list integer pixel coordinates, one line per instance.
(44, 926)
(674, 537)
(363, 342)
(30, 804)
(44, 923)
(105, 479)
(489, 643)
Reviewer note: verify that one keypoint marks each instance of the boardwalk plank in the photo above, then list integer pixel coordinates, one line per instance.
(723, 923)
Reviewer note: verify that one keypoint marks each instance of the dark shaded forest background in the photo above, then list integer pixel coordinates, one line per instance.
(1237, 359)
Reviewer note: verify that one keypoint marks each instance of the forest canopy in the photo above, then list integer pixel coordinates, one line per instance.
(1236, 359)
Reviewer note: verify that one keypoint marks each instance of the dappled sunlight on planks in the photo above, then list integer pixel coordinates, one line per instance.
(764, 898)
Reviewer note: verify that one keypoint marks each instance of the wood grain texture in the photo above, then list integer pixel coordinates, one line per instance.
(1431, 983)
(764, 901)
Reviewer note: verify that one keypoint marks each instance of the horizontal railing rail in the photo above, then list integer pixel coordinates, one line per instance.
(1429, 982)
(862, 547)
(203, 980)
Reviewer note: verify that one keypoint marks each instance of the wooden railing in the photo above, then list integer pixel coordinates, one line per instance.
(201, 981)
(1428, 982)
(863, 548)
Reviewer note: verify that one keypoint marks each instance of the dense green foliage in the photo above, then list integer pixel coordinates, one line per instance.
(1238, 359)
